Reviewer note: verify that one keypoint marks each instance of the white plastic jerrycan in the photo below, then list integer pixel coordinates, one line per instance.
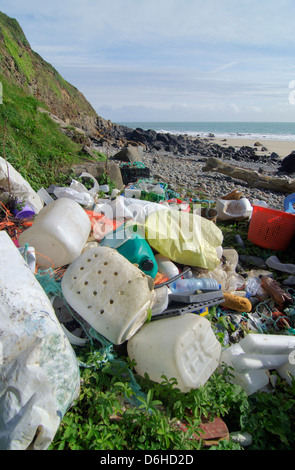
(109, 292)
(183, 347)
(58, 234)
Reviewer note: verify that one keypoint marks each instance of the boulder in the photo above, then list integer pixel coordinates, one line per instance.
(129, 154)
(288, 163)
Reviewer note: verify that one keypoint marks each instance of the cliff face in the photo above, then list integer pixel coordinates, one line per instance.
(25, 68)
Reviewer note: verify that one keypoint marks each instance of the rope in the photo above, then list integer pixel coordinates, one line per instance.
(267, 322)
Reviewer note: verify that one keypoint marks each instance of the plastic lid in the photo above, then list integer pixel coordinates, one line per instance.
(147, 265)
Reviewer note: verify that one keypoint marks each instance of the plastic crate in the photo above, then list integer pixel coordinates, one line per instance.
(132, 174)
(271, 228)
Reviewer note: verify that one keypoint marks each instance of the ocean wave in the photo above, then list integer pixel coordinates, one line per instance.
(257, 131)
(230, 135)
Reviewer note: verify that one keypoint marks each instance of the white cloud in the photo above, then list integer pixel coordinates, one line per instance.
(171, 57)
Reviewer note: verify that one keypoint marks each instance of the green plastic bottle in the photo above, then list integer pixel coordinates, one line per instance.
(134, 247)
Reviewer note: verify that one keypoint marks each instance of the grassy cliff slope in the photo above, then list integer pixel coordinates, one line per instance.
(24, 67)
(30, 140)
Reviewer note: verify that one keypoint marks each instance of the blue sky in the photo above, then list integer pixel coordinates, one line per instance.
(169, 60)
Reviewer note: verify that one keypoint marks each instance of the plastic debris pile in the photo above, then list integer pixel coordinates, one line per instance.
(143, 268)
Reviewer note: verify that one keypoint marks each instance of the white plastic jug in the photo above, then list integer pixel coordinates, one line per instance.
(267, 344)
(58, 234)
(109, 292)
(255, 355)
(250, 380)
(182, 347)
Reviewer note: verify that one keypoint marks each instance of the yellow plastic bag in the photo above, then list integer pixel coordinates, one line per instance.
(185, 238)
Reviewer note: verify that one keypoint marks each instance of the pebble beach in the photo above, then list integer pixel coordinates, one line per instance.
(185, 174)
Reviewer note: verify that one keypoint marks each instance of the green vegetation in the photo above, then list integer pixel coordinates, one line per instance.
(120, 411)
(116, 413)
(33, 142)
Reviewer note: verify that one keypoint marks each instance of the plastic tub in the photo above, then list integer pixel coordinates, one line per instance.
(271, 228)
(109, 292)
(182, 347)
(58, 234)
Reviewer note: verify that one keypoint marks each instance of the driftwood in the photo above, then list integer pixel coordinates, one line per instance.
(254, 179)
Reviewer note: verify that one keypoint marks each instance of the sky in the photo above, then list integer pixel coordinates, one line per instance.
(170, 60)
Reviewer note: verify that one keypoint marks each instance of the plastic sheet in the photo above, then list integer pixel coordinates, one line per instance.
(12, 181)
(39, 372)
(184, 238)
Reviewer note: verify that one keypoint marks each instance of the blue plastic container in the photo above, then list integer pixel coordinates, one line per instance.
(288, 204)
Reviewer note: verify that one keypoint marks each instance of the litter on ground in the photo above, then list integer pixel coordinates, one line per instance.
(142, 268)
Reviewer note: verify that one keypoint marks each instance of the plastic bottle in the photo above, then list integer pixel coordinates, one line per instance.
(278, 294)
(252, 285)
(166, 266)
(194, 284)
(138, 251)
(250, 381)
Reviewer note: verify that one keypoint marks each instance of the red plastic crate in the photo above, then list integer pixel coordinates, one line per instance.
(271, 228)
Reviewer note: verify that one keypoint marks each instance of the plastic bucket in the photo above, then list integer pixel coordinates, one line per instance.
(271, 228)
(109, 292)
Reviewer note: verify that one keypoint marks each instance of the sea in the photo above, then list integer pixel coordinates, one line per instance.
(241, 130)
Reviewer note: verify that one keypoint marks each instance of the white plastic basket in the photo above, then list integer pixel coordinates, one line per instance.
(109, 292)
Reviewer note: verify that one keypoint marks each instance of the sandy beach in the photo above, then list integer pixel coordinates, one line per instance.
(281, 147)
